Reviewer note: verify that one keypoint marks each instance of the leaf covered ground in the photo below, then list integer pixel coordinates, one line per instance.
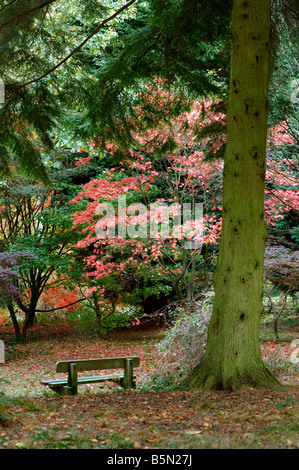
(104, 416)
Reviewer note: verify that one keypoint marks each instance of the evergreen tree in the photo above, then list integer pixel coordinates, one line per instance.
(233, 357)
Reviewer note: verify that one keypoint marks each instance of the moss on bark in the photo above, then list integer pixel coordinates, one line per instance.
(233, 356)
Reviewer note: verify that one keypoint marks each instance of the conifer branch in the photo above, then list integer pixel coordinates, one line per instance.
(18, 17)
(82, 44)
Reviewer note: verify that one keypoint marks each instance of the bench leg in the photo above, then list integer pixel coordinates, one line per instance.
(58, 390)
(128, 374)
(72, 381)
(66, 391)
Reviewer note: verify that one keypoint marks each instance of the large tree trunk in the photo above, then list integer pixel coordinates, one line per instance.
(233, 356)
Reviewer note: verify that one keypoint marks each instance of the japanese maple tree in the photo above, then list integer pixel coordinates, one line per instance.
(180, 176)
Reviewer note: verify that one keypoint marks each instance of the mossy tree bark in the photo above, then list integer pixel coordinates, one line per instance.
(233, 356)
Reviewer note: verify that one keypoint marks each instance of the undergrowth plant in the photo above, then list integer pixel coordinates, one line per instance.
(278, 360)
(182, 346)
(86, 321)
(5, 408)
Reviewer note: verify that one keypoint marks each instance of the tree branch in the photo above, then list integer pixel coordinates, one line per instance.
(59, 308)
(101, 25)
(17, 18)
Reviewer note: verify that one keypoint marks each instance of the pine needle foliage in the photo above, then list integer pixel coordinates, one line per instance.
(66, 74)
(96, 91)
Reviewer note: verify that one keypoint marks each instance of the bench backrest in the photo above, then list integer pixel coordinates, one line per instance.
(97, 364)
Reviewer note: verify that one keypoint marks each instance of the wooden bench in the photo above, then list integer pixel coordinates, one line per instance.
(69, 385)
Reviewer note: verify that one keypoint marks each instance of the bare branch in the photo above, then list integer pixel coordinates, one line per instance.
(60, 308)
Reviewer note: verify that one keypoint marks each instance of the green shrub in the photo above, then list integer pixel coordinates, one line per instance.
(5, 409)
(86, 320)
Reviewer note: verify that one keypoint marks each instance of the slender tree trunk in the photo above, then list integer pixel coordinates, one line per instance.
(29, 311)
(19, 336)
(97, 308)
(29, 318)
(232, 357)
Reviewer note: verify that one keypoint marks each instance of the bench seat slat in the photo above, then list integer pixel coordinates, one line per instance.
(99, 378)
(84, 380)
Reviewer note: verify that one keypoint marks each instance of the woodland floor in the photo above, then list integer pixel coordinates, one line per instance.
(106, 417)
